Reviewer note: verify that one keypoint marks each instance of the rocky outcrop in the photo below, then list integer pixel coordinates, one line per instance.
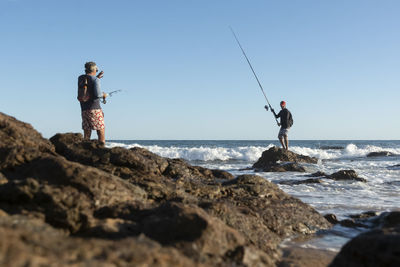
(79, 202)
(279, 160)
(380, 154)
(342, 175)
(379, 247)
(346, 175)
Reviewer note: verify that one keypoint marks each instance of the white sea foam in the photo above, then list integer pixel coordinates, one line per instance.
(252, 153)
(203, 153)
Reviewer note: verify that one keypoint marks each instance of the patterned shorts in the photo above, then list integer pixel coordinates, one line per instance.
(283, 132)
(92, 119)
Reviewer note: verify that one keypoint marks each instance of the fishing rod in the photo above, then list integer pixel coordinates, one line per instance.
(110, 95)
(255, 75)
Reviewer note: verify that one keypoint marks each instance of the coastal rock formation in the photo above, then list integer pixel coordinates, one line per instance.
(380, 154)
(347, 175)
(279, 160)
(342, 175)
(75, 201)
(379, 247)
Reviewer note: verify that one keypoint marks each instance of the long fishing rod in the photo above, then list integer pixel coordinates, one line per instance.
(255, 75)
(110, 95)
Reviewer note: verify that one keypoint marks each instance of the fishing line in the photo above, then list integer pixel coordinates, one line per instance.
(252, 69)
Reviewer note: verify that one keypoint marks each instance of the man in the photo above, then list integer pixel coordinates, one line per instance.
(286, 123)
(92, 114)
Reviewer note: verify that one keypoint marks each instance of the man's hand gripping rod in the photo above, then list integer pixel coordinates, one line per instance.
(110, 94)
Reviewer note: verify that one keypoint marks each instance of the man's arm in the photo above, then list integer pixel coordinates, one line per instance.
(276, 116)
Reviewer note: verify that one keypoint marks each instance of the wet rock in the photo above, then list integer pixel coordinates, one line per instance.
(379, 247)
(346, 175)
(331, 218)
(318, 174)
(351, 223)
(297, 182)
(380, 154)
(364, 215)
(305, 257)
(279, 160)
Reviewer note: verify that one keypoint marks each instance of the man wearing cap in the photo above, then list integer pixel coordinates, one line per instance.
(286, 123)
(92, 114)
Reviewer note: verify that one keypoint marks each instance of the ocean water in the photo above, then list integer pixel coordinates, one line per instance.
(342, 198)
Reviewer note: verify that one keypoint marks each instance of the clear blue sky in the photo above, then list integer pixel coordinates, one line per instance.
(336, 63)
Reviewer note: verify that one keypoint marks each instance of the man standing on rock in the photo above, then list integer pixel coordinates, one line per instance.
(92, 114)
(286, 123)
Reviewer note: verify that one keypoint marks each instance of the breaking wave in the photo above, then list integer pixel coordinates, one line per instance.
(252, 153)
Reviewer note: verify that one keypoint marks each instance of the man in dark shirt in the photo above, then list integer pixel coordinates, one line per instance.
(286, 123)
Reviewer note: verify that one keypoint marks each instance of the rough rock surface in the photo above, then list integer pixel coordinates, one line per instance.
(379, 247)
(70, 202)
(279, 160)
(346, 175)
(342, 175)
(380, 154)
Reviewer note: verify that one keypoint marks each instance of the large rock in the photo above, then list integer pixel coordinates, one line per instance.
(185, 215)
(20, 143)
(346, 175)
(279, 160)
(30, 242)
(379, 247)
(342, 175)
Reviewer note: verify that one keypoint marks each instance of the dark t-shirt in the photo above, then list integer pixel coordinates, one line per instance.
(284, 114)
(94, 91)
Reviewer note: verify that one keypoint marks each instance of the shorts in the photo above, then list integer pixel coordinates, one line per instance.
(283, 132)
(93, 119)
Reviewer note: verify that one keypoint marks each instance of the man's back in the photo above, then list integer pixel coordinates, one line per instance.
(285, 116)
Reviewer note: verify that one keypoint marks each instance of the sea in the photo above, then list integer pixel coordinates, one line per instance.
(381, 192)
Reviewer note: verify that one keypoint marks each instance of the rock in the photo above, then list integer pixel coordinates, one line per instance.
(374, 248)
(344, 175)
(20, 143)
(380, 154)
(351, 223)
(305, 257)
(364, 215)
(278, 160)
(67, 193)
(297, 182)
(28, 242)
(378, 247)
(3, 179)
(318, 174)
(331, 218)
(156, 211)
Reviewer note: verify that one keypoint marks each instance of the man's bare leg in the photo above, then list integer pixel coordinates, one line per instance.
(101, 136)
(286, 143)
(282, 143)
(87, 134)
